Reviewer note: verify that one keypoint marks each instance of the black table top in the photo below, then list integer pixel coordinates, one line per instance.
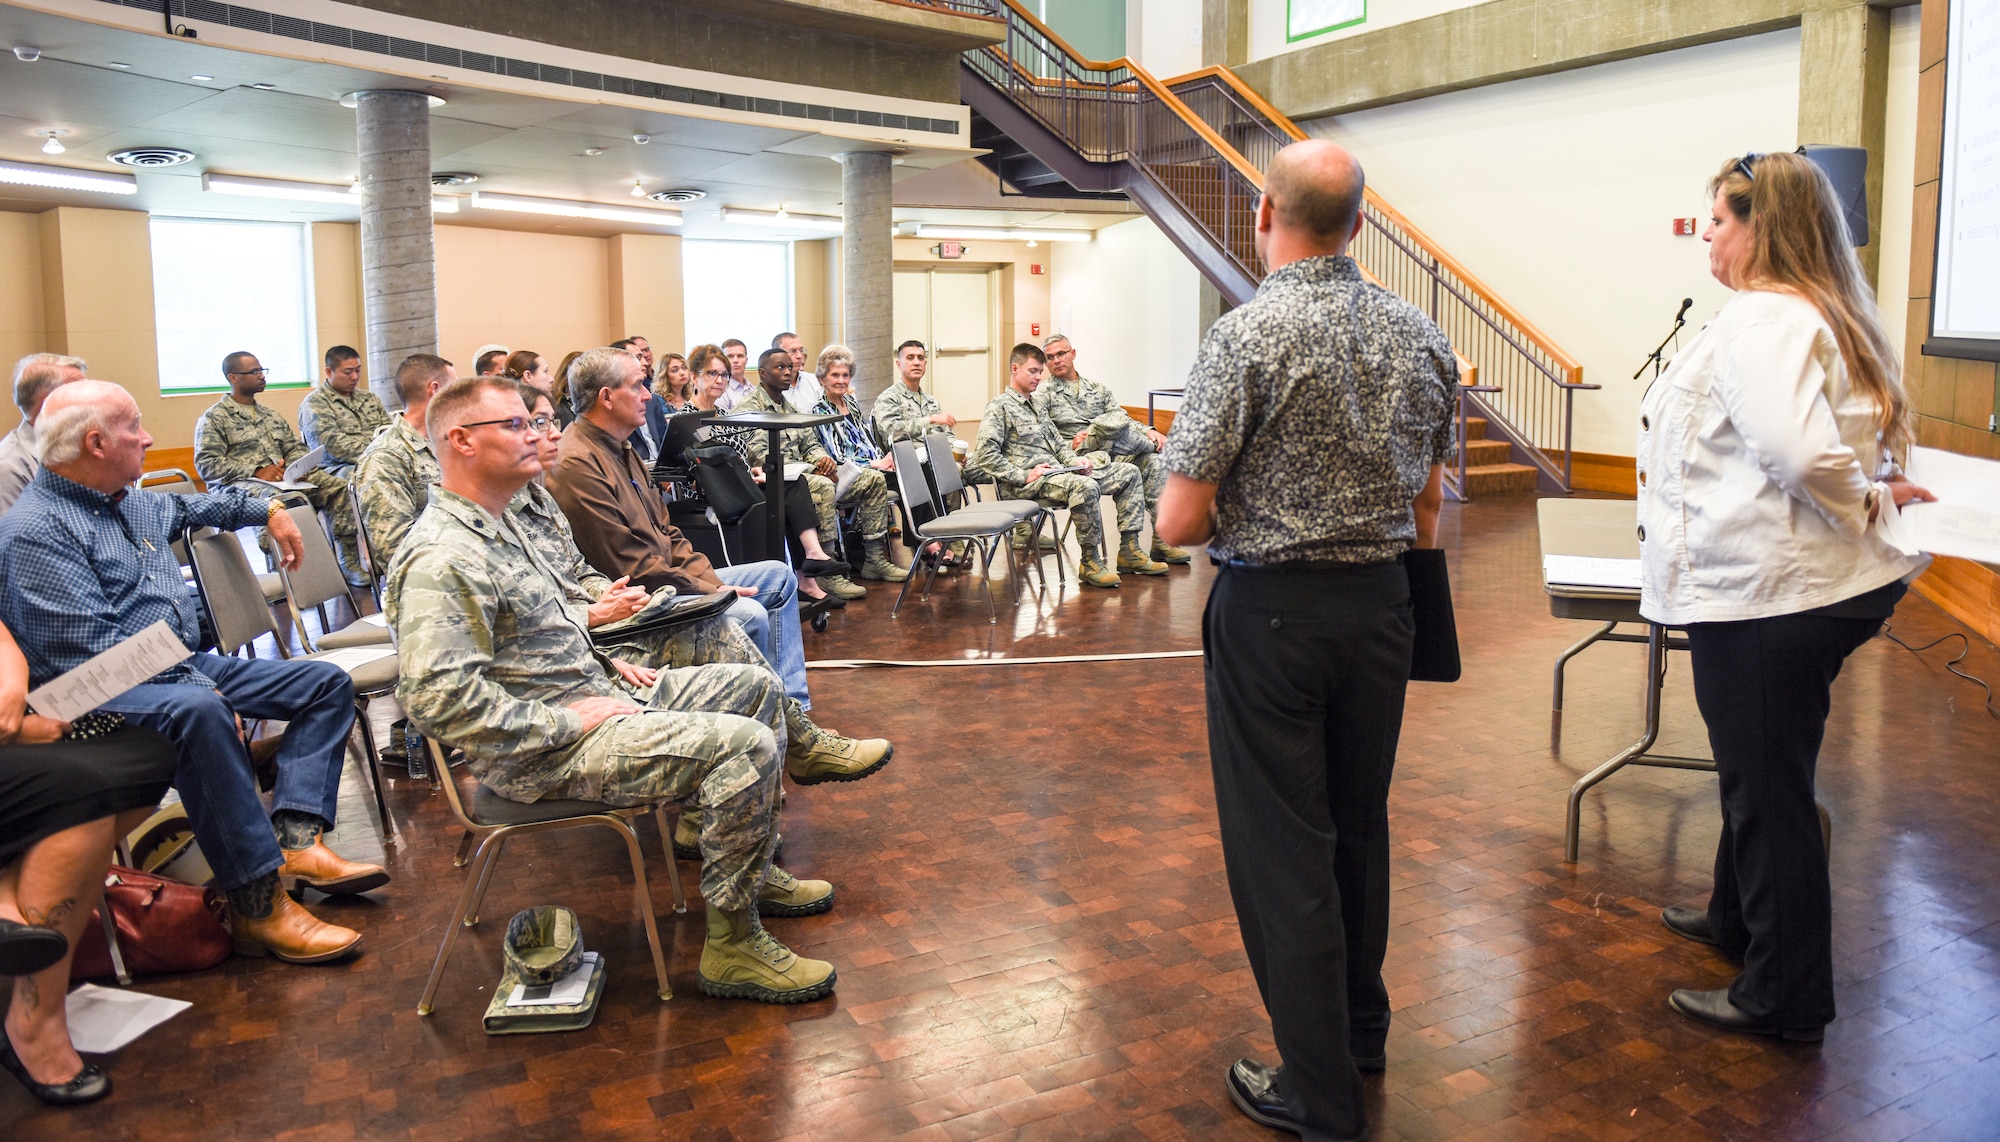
(761, 419)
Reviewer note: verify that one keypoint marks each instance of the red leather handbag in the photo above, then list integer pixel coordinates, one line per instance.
(163, 926)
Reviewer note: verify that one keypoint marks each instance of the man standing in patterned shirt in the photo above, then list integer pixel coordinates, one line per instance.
(1308, 454)
(1099, 427)
(238, 441)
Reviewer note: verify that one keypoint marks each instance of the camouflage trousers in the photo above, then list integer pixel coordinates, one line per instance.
(702, 643)
(1152, 474)
(330, 495)
(711, 736)
(1079, 493)
(867, 494)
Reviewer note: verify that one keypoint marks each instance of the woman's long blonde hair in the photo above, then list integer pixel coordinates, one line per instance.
(1800, 244)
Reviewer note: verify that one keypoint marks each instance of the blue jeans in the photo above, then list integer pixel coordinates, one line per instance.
(771, 619)
(212, 769)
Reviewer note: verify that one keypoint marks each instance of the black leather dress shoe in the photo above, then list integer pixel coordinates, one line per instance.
(1689, 923)
(1714, 1009)
(818, 567)
(26, 949)
(89, 1085)
(1253, 1087)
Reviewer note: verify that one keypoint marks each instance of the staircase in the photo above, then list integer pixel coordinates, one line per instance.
(1191, 153)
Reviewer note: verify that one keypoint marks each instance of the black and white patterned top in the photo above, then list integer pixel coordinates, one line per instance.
(1318, 409)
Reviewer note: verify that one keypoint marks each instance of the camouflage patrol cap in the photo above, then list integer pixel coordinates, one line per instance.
(544, 944)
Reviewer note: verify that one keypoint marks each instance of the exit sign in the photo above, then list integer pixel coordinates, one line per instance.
(949, 249)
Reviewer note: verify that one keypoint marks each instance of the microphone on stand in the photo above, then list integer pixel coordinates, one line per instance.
(1653, 358)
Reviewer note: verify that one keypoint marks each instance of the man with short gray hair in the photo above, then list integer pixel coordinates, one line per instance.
(1099, 427)
(35, 377)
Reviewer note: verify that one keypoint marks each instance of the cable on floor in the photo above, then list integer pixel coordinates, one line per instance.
(1965, 648)
(856, 663)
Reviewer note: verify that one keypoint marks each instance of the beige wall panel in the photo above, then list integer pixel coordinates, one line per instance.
(964, 360)
(1923, 236)
(23, 329)
(1930, 123)
(547, 292)
(336, 254)
(812, 299)
(645, 292)
(1934, 26)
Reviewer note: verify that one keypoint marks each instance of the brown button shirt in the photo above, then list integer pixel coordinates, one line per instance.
(620, 522)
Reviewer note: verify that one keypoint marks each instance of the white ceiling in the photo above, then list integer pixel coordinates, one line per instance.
(516, 143)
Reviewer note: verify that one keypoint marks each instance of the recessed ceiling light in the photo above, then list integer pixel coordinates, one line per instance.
(66, 178)
(264, 87)
(783, 219)
(202, 78)
(119, 65)
(593, 151)
(280, 188)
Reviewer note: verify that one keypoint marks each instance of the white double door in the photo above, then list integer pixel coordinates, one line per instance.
(951, 309)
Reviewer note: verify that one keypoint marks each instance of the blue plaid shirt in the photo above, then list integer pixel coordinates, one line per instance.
(80, 570)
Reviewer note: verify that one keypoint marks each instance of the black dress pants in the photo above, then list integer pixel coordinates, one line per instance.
(1764, 687)
(1306, 671)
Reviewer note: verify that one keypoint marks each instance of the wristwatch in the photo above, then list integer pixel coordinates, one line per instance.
(273, 507)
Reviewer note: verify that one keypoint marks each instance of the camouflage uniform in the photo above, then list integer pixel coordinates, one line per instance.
(1089, 407)
(492, 653)
(232, 441)
(394, 481)
(1014, 438)
(903, 414)
(343, 425)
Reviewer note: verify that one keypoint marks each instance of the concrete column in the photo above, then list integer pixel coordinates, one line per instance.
(398, 260)
(1213, 305)
(1225, 32)
(1844, 92)
(868, 264)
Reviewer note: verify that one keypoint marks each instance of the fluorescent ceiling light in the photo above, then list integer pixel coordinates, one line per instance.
(565, 208)
(999, 233)
(65, 178)
(280, 188)
(444, 205)
(784, 218)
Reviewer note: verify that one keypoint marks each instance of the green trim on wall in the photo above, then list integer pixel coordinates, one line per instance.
(1292, 37)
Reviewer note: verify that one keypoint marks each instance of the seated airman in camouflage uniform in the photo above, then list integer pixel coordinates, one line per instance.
(339, 415)
(239, 442)
(775, 374)
(904, 411)
(398, 468)
(1100, 430)
(1020, 447)
(497, 662)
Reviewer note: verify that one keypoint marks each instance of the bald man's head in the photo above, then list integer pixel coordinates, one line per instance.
(1314, 188)
(89, 432)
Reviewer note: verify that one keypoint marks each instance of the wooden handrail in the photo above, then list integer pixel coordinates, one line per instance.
(1236, 84)
(1173, 103)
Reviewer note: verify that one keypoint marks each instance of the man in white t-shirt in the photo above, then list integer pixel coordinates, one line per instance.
(806, 391)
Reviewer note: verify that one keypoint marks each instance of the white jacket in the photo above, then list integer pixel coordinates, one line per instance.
(1754, 466)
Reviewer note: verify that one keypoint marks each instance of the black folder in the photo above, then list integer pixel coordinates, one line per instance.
(1435, 655)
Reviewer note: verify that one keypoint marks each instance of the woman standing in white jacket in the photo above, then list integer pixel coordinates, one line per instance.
(1766, 464)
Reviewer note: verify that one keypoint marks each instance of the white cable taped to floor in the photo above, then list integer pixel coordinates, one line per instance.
(856, 663)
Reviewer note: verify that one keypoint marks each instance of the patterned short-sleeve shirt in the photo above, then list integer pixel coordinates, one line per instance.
(1317, 409)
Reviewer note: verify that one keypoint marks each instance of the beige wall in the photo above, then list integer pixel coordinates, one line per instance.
(547, 292)
(646, 299)
(816, 294)
(336, 253)
(1024, 296)
(23, 326)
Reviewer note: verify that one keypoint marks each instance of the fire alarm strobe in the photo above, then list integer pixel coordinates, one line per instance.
(1685, 227)
(1034, 329)
(1034, 267)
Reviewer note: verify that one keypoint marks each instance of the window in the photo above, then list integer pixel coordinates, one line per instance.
(220, 286)
(737, 289)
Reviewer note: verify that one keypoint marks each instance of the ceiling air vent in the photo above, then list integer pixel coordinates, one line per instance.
(678, 195)
(150, 157)
(452, 178)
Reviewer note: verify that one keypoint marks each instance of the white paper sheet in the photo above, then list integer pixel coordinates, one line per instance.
(103, 1019)
(298, 468)
(110, 674)
(564, 992)
(1965, 522)
(378, 619)
(1583, 571)
(796, 469)
(352, 657)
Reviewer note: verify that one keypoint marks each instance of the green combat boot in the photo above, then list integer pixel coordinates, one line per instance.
(878, 565)
(1130, 558)
(687, 834)
(1168, 553)
(787, 896)
(740, 960)
(814, 755)
(1091, 570)
(842, 586)
(1020, 537)
(350, 562)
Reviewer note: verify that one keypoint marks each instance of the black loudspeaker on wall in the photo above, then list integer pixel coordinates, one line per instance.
(1847, 167)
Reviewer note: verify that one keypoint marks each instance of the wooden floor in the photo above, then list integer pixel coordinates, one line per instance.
(1035, 940)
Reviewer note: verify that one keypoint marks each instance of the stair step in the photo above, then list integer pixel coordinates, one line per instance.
(1483, 452)
(1475, 428)
(1499, 479)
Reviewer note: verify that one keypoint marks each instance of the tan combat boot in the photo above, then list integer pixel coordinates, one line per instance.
(687, 834)
(741, 960)
(787, 896)
(1130, 558)
(813, 755)
(1092, 570)
(878, 565)
(842, 586)
(1021, 537)
(1168, 553)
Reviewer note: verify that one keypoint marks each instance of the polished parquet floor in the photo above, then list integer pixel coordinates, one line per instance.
(1035, 940)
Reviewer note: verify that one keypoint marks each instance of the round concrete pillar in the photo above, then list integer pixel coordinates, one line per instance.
(867, 260)
(398, 260)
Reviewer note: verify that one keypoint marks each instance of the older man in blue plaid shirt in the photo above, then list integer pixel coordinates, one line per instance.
(86, 562)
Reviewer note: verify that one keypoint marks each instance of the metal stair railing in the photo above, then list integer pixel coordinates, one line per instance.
(1527, 384)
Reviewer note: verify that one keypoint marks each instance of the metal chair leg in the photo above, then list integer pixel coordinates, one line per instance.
(643, 899)
(374, 759)
(986, 583)
(451, 930)
(464, 847)
(673, 866)
(485, 878)
(111, 941)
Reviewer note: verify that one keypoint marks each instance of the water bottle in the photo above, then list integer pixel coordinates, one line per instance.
(413, 745)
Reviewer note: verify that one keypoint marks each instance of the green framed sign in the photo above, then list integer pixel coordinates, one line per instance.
(1304, 18)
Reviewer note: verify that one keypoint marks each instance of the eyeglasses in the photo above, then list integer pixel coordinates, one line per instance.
(715, 376)
(1743, 165)
(516, 423)
(249, 372)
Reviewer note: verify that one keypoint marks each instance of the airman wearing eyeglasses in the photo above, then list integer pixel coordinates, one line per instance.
(239, 441)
